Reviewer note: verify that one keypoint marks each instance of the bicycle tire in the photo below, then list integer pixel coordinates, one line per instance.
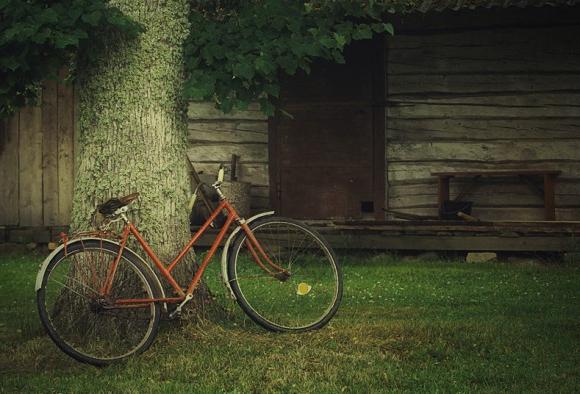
(305, 300)
(73, 314)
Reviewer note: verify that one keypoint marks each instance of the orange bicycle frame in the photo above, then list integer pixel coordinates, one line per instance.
(256, 250)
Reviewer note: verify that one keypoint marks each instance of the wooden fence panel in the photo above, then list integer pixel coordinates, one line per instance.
(50, 153)
(37, 161)
(9, 171)
(30, 171)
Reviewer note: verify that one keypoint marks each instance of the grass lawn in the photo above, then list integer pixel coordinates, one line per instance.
(403, 326)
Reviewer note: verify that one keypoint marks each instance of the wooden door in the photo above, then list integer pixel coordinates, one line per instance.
(327, 161)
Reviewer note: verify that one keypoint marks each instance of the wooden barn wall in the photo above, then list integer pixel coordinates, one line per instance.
(37, 161)
(484, 98)
(214, 137)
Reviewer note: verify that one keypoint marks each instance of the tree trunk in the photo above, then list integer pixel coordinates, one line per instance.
(133, 128)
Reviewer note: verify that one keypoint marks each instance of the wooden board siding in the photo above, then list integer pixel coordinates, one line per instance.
(9, 171)
(214, 137)
(36, 161)
(491, 98)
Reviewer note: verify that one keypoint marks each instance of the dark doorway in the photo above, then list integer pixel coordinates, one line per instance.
(327, 161)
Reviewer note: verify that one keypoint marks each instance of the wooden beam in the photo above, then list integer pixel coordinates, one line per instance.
(451, 242)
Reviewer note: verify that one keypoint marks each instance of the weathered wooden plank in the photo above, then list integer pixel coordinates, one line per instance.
(544, 36)
(565, 189)
(9, 171)
(66, 137)
(30, 169)
(482, 83)
(399, 129)
(260, 191)
(486, 197)
(254, 173)
(250, 126)
(215, 152)
(420, 171)
(487, 151)
(494, 50)
(50, 180)
(260, 204)
(232, 132)
(500, 106)
(499, 16)
(434, 227)
(450, 242)
(22, 235)
(516, 213)
(480, 60)
(206, 110)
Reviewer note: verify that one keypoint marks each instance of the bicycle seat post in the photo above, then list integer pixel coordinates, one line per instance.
(121, 212)
(217, 187)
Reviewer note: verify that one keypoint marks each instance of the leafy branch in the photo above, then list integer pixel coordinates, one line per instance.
(238, 50)
(38, 38)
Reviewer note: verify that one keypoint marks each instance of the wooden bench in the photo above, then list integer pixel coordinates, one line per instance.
(548, 191)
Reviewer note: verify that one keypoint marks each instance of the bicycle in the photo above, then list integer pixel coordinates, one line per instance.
(100, 302)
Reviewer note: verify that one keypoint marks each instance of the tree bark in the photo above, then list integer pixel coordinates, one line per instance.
(133, 128)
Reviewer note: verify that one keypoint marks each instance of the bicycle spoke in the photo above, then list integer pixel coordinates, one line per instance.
(75, 311)
(307, 297)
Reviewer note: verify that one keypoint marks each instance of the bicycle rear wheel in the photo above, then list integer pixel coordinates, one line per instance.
(81, 322)
(302, 287)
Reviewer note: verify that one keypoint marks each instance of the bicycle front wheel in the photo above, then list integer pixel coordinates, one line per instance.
(299, 286)
(86, 325)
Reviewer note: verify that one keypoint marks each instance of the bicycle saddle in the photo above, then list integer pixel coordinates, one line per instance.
(110, 206)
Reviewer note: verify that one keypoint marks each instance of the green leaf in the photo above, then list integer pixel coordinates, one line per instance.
(267, 107)
(327, 42)
(340, 39)
(49, 15)
(9, 62)
(265, 65)
(362, 32)
(92, 18)
(62, 41)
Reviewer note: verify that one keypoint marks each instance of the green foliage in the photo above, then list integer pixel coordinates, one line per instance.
(38, 37)
(236, 53)
(238, 50)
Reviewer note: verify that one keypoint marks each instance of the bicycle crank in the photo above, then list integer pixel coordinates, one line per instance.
(177, 311)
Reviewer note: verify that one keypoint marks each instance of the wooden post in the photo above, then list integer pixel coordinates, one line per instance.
(549, 199)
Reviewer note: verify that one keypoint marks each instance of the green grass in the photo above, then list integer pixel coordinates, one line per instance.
(403, 326)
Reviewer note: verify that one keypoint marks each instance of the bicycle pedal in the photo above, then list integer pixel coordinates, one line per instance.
(175, 314)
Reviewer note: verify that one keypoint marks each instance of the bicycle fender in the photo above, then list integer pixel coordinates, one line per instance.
(46, 261)
(226, 250)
